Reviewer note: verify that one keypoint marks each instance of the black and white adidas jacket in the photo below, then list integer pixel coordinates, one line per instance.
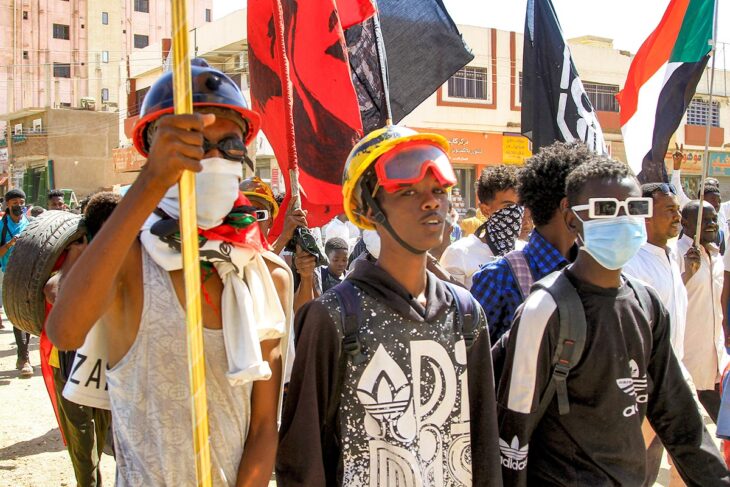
(627, 372)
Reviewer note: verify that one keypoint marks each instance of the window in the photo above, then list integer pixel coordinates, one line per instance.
(698, 113)
(469, 83)
(207, 15)
(25, 55)
(25, 15)
(60, 31)
(61, 70)
(104, 56)
(105, 18)
(141, 5)
(105, 94)
(141, 41)
(519, 93)
(602, 97)
(139, 98)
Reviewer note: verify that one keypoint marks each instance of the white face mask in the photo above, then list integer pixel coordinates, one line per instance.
(216, 191)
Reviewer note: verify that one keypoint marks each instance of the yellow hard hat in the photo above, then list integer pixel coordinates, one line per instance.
(254, 187)
(364, 155)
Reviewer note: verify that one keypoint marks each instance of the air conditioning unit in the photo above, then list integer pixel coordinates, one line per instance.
(37, 125)
(110, 106)
(87, 103)
(242, 61)
(18, 129)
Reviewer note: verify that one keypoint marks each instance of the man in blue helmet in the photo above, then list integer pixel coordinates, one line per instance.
(133, 268)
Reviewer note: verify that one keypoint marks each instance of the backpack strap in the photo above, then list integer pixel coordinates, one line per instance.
(467, 313)
(520, 271)
(3, 240)
(571, 340)
(350, 320)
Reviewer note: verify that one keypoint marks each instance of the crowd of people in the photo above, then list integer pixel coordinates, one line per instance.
(564, 332)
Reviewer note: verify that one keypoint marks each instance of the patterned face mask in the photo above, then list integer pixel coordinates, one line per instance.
(502, 229)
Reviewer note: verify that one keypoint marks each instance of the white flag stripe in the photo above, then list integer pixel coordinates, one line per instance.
(638, 131)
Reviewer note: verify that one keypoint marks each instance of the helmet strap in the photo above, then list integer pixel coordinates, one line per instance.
(380, 218)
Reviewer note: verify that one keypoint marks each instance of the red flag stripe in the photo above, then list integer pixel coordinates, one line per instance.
(652, 55)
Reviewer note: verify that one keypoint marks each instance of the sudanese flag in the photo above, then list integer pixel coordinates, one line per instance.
(325, 112)
(661, 83)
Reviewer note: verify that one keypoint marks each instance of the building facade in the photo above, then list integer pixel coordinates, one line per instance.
(73, 54)
(479, 108)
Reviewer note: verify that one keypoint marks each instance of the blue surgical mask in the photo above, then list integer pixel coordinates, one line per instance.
(613, 241)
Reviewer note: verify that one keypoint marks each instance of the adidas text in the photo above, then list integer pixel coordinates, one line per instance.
(513, 464)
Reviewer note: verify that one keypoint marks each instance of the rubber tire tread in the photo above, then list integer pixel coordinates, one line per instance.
(30, 265)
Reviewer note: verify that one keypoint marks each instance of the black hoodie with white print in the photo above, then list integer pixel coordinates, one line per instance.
(420, 410)
(627, 372)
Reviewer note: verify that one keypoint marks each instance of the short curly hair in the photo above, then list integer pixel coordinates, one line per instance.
(99, 209)
(541, 182)
(55, 193)
(600, 168)
(335, 243)
(495, 179)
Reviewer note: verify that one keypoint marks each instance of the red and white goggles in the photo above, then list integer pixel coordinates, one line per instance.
(408, 163)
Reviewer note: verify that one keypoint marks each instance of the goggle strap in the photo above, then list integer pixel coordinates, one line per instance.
(380, 218)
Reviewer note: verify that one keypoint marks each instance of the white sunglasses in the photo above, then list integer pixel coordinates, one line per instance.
(261, 215)
(609, 207)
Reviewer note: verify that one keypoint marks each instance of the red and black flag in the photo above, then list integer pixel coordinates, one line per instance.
(325, 110)
(423, 50)
(337, 79)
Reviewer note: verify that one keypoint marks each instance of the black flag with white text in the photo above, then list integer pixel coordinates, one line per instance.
(554, 103)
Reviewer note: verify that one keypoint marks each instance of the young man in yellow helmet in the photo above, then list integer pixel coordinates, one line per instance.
(392, 381)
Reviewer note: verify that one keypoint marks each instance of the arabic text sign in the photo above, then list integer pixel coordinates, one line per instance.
(719, 163)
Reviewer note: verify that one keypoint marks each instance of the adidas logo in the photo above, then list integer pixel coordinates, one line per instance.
(513, 457)
(635, 386)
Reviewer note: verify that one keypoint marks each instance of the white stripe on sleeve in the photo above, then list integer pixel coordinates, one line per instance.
(536, 313)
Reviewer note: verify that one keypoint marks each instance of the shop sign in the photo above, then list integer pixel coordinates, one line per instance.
(719, 163)
(473, 148)
(127, 159)
(515, 149)
(691, 165)
(462, 150)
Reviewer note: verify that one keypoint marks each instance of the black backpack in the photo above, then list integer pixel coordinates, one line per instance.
(572, 334)
(467, 314)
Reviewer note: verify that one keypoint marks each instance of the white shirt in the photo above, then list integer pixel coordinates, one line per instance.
(658, 267)
(347, 231)
(722, 216)
(704, 340)
(464, 257)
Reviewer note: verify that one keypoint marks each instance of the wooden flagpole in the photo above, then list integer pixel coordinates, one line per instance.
(286, 90)
(706, 155)
(183, 100)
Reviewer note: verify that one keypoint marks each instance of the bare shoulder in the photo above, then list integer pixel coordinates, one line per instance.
(280, 273)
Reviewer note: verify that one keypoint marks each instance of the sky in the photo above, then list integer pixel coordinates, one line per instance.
(627, 22)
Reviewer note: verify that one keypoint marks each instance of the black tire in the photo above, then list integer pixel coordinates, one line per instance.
(30, 265)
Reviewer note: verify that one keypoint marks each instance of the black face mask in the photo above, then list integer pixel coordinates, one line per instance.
(17, 210)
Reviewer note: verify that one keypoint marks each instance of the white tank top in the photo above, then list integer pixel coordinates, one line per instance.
(150, 397)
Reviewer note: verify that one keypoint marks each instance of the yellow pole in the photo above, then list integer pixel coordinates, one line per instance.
(191, 267)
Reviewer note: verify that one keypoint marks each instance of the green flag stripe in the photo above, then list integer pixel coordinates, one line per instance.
(693, 40)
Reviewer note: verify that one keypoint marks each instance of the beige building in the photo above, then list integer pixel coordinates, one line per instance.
(74, 54)
(62, 148)
(479, 108)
